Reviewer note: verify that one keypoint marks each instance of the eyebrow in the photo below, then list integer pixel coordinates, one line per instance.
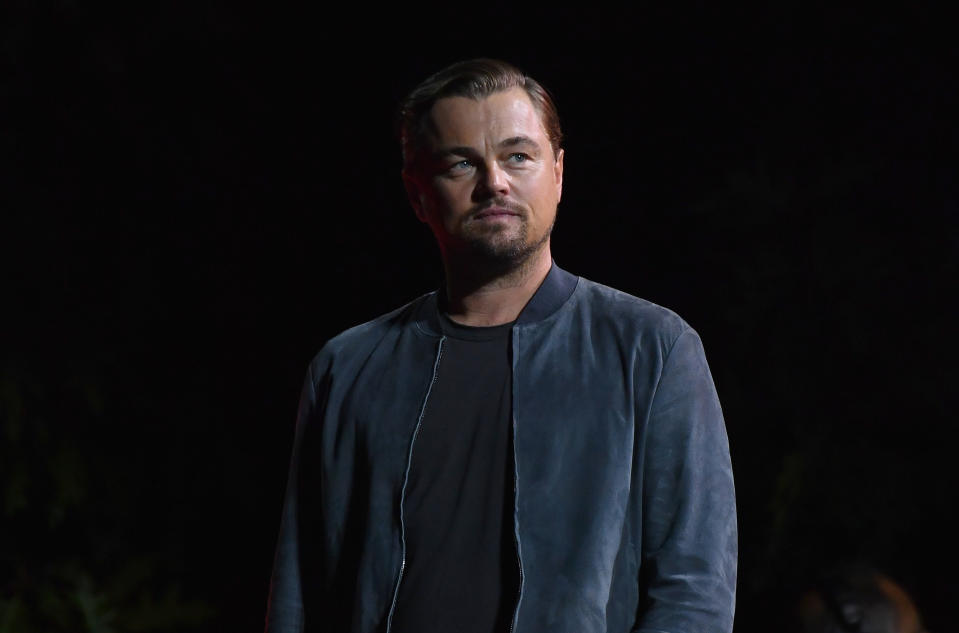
(513, 141)
(462, 150)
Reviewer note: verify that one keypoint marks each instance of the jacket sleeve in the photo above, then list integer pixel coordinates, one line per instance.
(285, 613)
(689, 542)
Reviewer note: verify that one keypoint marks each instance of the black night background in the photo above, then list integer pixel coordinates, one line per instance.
(196, 196)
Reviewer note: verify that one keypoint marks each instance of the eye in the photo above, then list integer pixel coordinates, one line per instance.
(518, 158)
(460, 166)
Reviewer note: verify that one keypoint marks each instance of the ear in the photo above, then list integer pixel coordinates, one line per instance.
(413, 194)
(558, 174)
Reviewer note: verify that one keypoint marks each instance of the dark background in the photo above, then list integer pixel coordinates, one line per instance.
(196, 196)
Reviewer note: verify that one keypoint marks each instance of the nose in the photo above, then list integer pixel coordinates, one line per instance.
(493, 181)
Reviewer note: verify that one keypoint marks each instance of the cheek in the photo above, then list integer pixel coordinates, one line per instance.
(448, 201)
(546, 196)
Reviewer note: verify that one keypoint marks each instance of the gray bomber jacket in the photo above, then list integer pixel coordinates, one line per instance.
(625, 514)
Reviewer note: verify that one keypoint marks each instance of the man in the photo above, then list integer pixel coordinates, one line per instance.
(523, 450)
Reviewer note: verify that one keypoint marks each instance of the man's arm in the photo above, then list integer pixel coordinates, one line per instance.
(285, 605)
(689, 541)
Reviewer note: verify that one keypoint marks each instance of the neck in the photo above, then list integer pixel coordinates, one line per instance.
(482, 297)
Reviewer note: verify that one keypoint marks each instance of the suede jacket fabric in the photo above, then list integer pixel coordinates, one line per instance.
(625, 513)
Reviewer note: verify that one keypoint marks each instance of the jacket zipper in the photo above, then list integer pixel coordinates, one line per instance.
(406, 479)
(519, 558)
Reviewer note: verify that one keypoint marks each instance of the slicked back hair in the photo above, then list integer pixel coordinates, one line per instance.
(475, 79)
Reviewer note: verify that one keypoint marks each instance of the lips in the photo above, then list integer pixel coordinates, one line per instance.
(494, 212)
(497, 209)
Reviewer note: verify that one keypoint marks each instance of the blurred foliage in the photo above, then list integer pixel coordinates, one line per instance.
(60, 502)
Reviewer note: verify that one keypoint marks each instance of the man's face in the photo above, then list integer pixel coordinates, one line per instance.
(486, 181)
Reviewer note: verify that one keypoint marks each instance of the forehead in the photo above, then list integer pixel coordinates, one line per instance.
(473, 122)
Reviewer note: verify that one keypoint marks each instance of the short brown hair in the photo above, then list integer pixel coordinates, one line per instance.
(476, 79)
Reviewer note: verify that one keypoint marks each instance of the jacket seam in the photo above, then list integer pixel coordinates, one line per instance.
(312, 386)
(659, 379)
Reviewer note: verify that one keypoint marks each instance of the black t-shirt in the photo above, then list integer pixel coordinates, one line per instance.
(462, 572)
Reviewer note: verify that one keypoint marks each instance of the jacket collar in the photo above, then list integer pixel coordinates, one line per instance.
(548, 298)
(551, 294)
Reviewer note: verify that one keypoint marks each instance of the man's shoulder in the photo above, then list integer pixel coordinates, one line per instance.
(358, 339)
(607, 304)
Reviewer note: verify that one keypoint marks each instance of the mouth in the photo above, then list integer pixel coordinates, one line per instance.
(494, 212)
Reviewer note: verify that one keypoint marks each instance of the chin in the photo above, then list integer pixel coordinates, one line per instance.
(506, 252)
